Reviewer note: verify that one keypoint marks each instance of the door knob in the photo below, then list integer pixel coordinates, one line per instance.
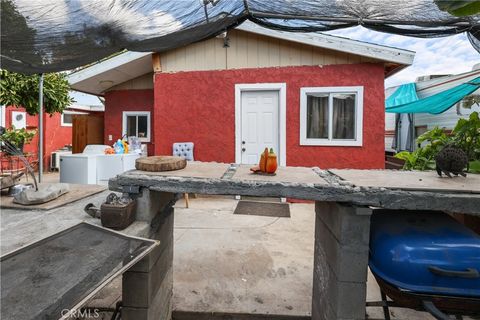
(243, 142)
(243, 149)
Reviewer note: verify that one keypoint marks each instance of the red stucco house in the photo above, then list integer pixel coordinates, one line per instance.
(317, 99)
(57, 130)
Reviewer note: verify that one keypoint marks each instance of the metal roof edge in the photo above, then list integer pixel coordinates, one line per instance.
(104, 66)
(342, 44)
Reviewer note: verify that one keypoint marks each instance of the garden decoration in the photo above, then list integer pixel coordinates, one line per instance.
(451, 160)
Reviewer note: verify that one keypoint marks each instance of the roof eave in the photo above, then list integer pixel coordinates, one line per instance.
(369, 50)
(394, 69)
(124, 66)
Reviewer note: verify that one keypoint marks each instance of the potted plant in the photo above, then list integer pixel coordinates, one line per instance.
(17, 138)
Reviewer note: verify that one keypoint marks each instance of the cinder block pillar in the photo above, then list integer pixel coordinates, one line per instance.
(340, 261)
(148, 285)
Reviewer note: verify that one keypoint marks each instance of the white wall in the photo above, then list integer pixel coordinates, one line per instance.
(446, 120)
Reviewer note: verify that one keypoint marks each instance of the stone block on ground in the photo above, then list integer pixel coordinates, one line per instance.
(45, 193)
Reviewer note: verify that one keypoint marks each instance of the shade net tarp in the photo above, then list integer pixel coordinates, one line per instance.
(435, 104)
(54, 35)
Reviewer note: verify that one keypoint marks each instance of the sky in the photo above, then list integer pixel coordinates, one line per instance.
(84, 99)
(448, 55)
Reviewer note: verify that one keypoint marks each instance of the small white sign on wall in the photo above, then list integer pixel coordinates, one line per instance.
(19, 119)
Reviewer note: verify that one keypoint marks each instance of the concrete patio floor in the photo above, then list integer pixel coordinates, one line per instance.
(236, 264)
(249, 264)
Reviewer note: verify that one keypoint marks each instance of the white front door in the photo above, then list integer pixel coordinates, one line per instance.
(259, 124)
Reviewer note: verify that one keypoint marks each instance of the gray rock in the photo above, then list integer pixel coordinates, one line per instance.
(45, 193)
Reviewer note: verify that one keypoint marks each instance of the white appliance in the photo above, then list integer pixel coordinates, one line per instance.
(109, 165)
(81, 168)
(55, 159)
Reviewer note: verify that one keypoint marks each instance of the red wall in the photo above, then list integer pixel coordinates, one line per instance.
(118, 101)
(32, 124)
(200, 107)
(55, 136)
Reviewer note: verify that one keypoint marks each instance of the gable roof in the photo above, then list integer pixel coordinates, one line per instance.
(321, 40)
(129, 65)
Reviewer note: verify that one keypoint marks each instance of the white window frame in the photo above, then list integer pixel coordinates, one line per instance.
(357, 142)
(137, 113)
(62, 120)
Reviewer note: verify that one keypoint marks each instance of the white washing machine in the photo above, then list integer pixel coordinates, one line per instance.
(81, 168)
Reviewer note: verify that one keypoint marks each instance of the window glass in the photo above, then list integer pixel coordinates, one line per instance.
(142, 126)
(317, 116)
(131, 126)
(331, 116)
(67, 118)
(343, 116)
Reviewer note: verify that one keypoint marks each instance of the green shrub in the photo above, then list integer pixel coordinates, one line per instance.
(465, 135)
(18, 137)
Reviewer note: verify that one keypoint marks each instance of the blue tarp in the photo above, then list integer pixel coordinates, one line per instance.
(406, 93)
(402, 100)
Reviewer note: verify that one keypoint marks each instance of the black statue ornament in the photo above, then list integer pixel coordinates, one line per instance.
(451, 160)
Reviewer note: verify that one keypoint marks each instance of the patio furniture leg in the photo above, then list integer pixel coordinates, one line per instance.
(147, 286)
(187, 203)
(340, 261)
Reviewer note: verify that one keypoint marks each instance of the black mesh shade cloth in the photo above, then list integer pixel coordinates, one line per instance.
(54, 35)
(58, 273)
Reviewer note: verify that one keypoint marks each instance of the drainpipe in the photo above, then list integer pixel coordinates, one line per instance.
(40, 128)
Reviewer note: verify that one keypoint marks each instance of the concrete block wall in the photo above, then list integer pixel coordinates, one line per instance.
(148, 286)
(340, 261)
